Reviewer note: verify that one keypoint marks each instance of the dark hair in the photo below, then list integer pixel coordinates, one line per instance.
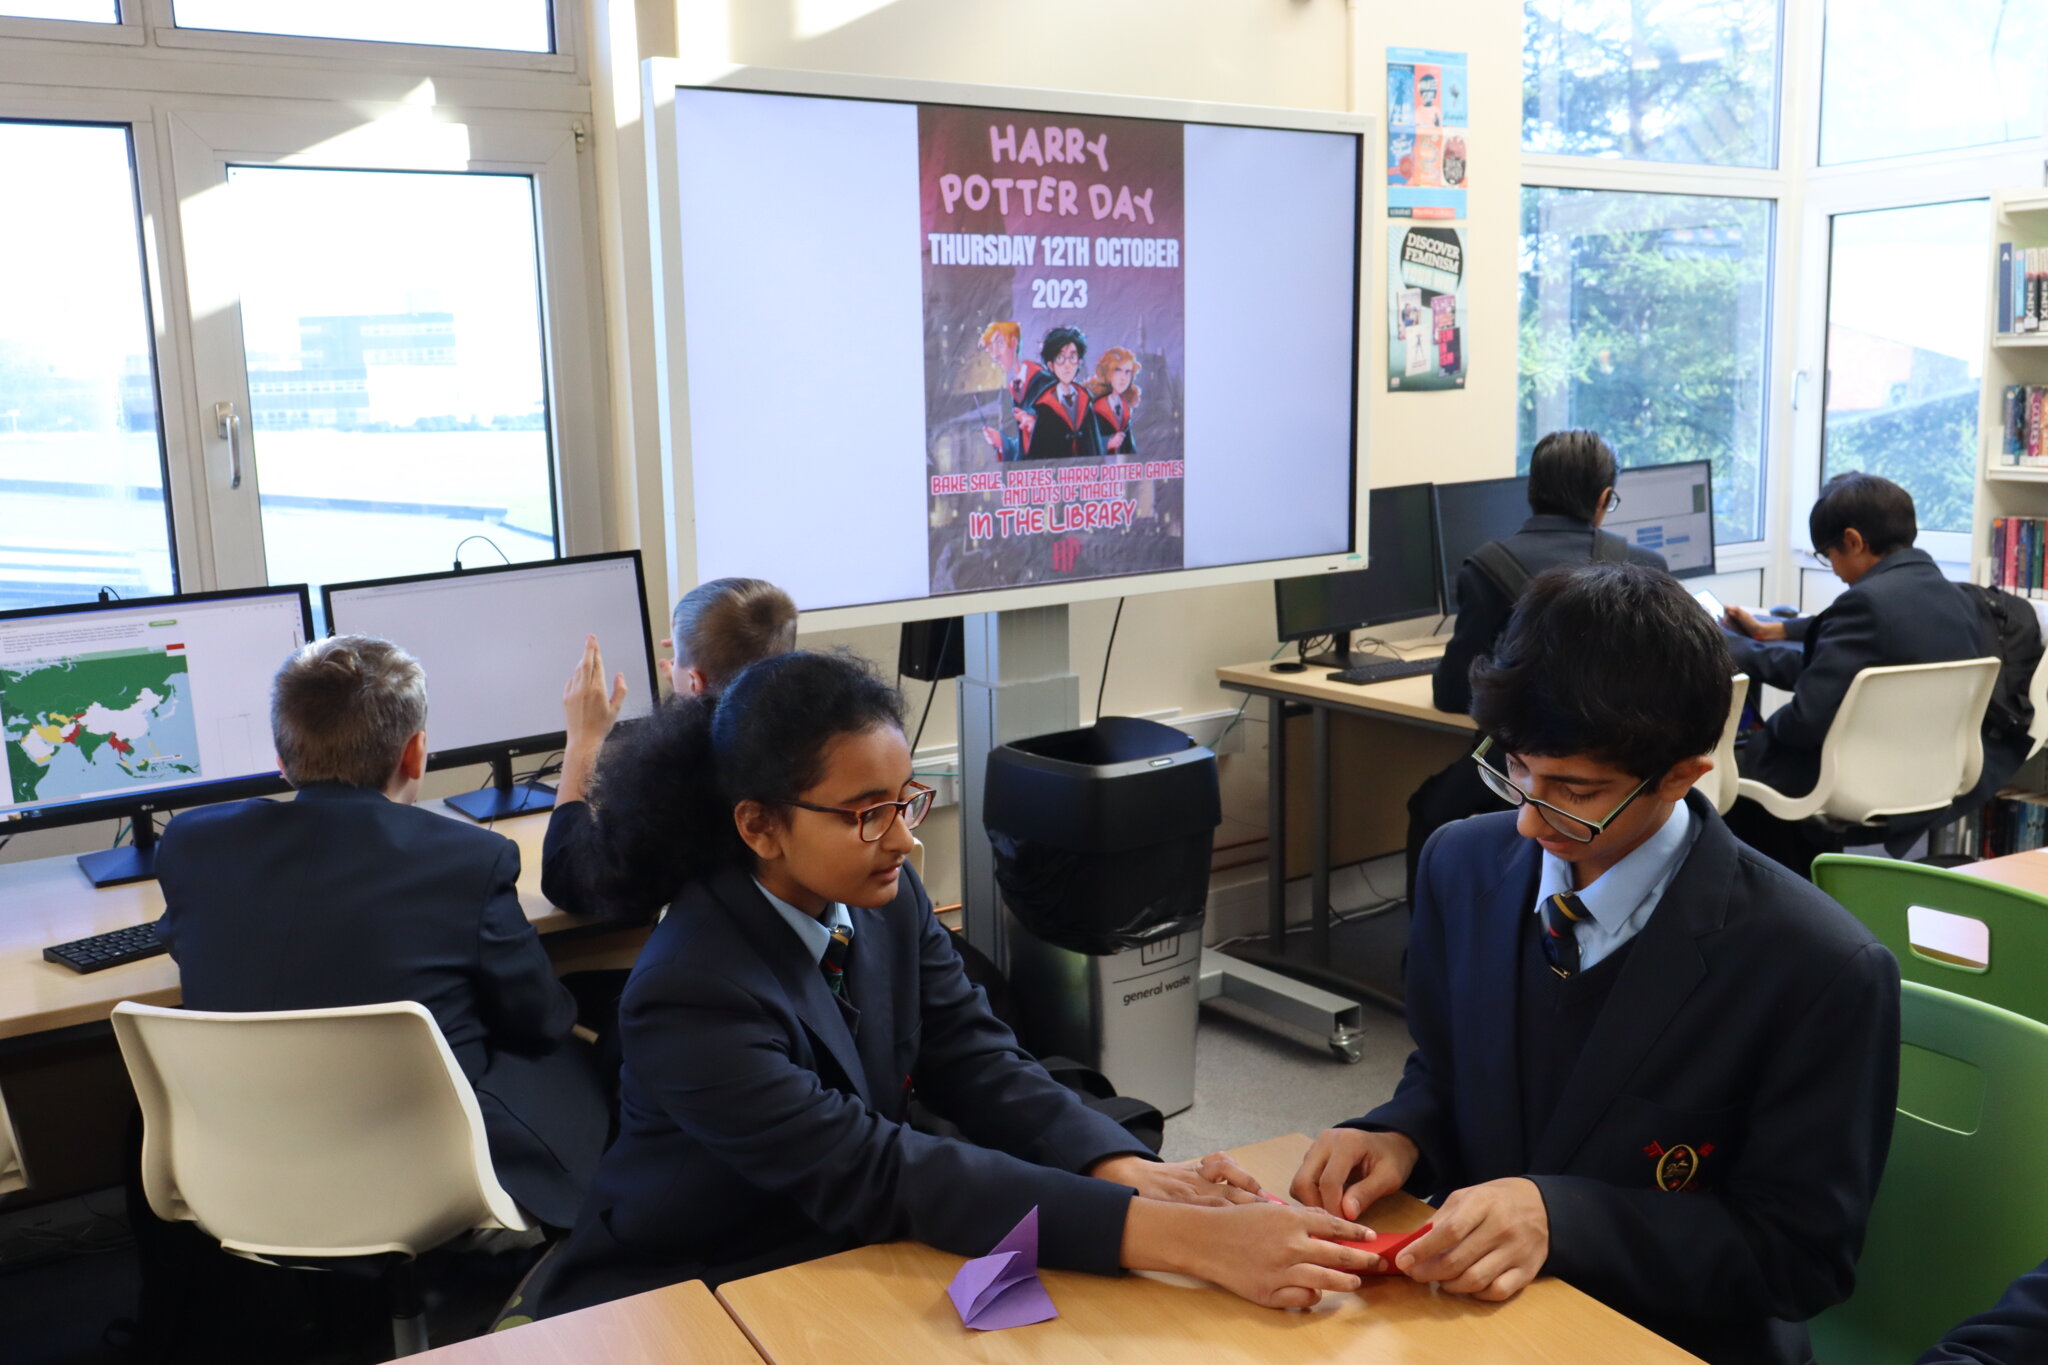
(1613, 661)
(721, 626)
(665, 788)
(1568, 471)
(1058, 339)
(1878, 508)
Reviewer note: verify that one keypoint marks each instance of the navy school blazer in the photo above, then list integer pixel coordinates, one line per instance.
(763, 1122)
(344, 897)
(2013, 1332)
(1755, 1024)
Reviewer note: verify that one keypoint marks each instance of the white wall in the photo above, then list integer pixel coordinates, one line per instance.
(1311, 53)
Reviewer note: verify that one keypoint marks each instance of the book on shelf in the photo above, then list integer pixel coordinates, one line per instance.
(2014, 821)
(2022, 288)
(2019, 556)
(2023, 437)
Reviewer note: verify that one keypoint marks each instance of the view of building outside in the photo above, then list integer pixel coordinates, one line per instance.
(81, 464)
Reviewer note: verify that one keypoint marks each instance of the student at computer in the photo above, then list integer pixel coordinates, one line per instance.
(716, 629)
(1899, 609)
(2014, 1331)
(1571, 491)
(1648, 1060)
(797, 994)
(352, 895)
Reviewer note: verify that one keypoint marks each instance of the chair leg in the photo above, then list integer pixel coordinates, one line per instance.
(408, 1314)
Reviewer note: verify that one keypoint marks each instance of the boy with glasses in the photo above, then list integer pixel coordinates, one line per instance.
(1647, 1060)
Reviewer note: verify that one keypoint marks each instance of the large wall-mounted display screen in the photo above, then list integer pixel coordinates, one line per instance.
(922, 351)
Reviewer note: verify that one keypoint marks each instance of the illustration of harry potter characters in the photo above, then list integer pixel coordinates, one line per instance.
(1116, 399)
(999, 340)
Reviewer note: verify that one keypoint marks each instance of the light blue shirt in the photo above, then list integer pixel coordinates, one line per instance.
(816, 933)
(1621, 900)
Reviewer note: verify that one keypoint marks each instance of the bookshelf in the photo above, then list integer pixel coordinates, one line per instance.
(2015, 820)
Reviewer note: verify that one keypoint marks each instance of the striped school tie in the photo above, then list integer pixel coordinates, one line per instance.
(1562, 914)
(833, 964)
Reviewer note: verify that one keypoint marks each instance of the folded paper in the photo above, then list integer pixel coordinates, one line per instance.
(1386, 1246)
(1002, 1289)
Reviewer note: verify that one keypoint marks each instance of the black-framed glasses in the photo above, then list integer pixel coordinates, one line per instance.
(1613, 500)
(1573, 827)
(1820, 557)
(874, 820)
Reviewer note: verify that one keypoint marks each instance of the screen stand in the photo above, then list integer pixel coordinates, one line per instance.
(1017, 684)
(1337, 656)
(503, 797)
(118, 866)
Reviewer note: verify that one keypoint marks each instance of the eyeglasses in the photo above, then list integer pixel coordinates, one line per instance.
(1613, 500)
(1573, 827)
(874, 821)
(1820, 557)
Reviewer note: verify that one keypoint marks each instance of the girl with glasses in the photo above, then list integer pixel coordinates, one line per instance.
(797, 996)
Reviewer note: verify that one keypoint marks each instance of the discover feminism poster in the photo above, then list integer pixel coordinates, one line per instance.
(1054, 307)
(1425, 308)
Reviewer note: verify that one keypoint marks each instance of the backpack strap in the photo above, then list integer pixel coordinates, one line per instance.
(1500, 568)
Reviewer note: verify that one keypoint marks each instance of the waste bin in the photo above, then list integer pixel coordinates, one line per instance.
(1102, 838)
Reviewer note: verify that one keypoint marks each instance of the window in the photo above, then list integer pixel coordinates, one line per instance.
(1644, 318)
(398, 392)
(1907, 76)
(1905, 347)
(84, 11)
(1652, 80)
(81, 461)
(517, 25)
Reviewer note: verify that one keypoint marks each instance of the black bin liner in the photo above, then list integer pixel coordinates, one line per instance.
(1102, 835)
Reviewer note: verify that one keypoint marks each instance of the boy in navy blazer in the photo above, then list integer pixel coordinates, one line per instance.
(1647, 1059)
(2014, 1331)
(1899, 609)
(352, 895)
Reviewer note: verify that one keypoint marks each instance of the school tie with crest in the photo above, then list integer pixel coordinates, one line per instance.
(1562, 915)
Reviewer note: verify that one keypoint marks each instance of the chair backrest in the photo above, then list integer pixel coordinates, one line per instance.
(917, 856)
(342, 1132)
(1720, 785)
(1907, 738)
(13, 1176)
(1978, 938)
(1958, 1215)
(2037, 697)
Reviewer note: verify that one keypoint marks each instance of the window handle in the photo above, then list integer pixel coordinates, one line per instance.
(229, 423)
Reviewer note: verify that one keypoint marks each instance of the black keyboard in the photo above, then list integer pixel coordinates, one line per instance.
(106, 950)
(1384, 670)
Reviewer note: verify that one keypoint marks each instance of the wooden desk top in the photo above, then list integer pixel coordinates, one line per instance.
(2028, 871)
(49, 901)
(679, 1325)
(889, 1303)
(1406, 698)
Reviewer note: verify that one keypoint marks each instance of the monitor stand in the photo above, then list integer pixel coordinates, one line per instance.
(503, 797)
(1339, 654)
(117, 866)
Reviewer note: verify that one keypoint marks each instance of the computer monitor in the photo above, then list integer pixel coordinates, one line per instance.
(1399, 582)
(1470, 514)
(115, 710)
(1668, 508)
(497, 644)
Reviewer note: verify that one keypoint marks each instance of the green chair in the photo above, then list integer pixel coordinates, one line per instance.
(1963, 1208)
(1882, 893)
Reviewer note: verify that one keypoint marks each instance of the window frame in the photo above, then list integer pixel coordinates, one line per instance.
(524, 116)
(128, 31)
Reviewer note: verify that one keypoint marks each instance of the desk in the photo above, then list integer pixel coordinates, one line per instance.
(1406, 700)
(2028, 871)
(50, 901)
(889, 1302)
(679, 1325)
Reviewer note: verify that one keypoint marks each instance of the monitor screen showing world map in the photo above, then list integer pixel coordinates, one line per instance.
(133, 704)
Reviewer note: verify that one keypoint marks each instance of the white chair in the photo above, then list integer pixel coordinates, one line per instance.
(916, 859)
(1907, 738)
(13, 1176)
(1720, 785)
(313, 1134)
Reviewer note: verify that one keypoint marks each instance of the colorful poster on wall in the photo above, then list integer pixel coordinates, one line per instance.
(1427, 126)
(1425, 308)
(1054, 335)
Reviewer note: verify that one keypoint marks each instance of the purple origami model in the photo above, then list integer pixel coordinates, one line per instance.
(1002, 1289)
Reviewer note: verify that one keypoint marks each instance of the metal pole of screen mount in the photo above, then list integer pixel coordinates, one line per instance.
(229, 423)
